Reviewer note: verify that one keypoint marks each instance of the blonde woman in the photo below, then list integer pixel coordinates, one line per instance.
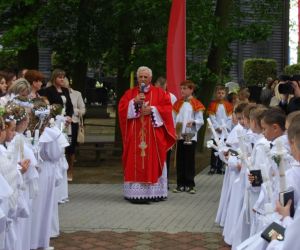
(20, 87)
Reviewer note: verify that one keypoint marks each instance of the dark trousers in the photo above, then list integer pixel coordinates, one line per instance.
(73, 142)
(168, 161)
(215, 162)
(185, 164)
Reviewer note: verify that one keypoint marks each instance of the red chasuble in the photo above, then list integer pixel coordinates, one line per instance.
(147, 168)
(213, 107)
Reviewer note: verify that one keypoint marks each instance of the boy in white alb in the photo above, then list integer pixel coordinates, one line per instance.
(220, 114)
(188, 119)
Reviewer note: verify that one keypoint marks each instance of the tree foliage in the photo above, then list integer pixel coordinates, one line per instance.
(119, 35)
(256, 70)
(94, 31)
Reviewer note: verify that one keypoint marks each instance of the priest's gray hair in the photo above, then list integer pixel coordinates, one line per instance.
(143, 68)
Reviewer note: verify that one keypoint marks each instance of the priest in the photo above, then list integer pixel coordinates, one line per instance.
(145, 115)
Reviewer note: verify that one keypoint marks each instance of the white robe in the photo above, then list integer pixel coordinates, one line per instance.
(17, 206)
(220, 118)
(5, 193)
(237, 197)
(243, 228)
(29, 189)
(230, 174)
(50, 152)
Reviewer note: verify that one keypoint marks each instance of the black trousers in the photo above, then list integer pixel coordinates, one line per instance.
(73, 143)
(215, 162)
(185, 164)
(168, 161)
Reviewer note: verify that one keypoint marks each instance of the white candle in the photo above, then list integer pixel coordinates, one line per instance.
(266, 180)
(216, 137)
(36, 135)
(280, 153)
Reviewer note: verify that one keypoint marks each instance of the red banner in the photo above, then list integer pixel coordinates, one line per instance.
(176, 47)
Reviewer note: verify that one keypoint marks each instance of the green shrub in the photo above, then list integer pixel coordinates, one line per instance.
(8, 59)
(292, 69)
(257, 70)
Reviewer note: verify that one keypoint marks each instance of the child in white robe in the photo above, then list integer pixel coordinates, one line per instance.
(230, 172)
(50, 151)
(12, 170)
(5, 193)
(22, 150)
(220, 114)
(242, 230)
(238, 186)
(61, 191)
(188, 117)
(291, 238)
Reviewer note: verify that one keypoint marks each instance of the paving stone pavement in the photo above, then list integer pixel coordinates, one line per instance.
(97, 217)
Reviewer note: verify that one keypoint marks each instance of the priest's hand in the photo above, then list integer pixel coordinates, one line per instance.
(139, 99)
(146, 110)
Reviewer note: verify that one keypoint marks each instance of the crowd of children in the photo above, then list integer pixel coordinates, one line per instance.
(260, 155)
(258, 150)
(33, 163)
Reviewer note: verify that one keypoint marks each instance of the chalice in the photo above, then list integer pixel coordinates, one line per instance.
(188, 135)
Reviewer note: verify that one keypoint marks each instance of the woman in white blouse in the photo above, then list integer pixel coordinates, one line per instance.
(79, 111)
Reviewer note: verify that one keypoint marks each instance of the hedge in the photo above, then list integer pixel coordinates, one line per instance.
(257, 70)
(293, 69)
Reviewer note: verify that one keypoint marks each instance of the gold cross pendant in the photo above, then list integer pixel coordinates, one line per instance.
(143, 146)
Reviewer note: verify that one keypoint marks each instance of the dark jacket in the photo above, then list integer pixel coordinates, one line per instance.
(293, 105)
(54, 98)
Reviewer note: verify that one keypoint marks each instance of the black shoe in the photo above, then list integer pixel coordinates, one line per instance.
(220, 172)
(139, 201)
(158, 199)
(211, 172)
(155, 199)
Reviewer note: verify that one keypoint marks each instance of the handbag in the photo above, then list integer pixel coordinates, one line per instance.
(80, 135)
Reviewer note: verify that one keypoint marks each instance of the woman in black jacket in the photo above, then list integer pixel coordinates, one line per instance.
(57, 94)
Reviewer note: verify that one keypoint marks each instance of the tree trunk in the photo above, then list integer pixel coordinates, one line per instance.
(29, 57)
(79, 76)
(218, 49)
(79, 67)
(215, 57)
(122, 86)
(123, 82)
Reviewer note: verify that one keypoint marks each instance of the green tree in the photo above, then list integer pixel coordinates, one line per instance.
(19, 22)
(220, 23)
